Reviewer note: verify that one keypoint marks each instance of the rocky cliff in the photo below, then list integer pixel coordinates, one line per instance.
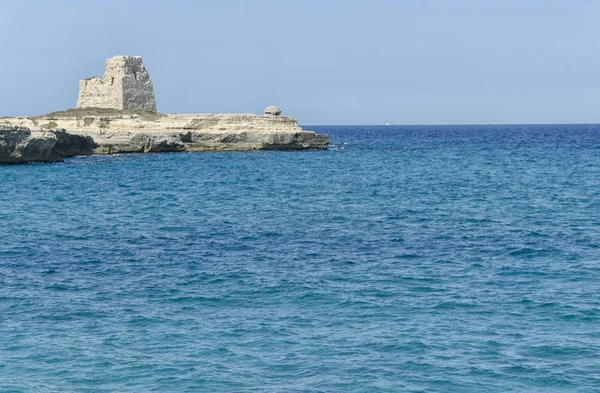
(20, 145)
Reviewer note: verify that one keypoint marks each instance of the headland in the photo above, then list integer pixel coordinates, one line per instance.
(117, 114)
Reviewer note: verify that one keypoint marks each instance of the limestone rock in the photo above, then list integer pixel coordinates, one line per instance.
(146, 132)
(20, 145)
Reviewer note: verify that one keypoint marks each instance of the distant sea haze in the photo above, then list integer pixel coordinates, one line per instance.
(403, 259)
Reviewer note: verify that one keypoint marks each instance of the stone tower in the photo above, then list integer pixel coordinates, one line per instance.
(126, 85)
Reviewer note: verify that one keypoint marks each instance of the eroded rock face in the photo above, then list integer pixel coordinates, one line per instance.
(19, 145)
(144, 132)
(111, 142)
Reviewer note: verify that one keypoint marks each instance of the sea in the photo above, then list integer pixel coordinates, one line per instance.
(402, 259)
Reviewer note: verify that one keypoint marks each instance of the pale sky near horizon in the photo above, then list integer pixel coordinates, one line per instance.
(321, 61)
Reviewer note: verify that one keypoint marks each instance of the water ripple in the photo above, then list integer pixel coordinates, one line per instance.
(416, 259)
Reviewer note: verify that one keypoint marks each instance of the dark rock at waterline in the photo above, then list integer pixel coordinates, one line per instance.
(20, 145)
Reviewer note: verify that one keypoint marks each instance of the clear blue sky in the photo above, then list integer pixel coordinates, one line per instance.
(322, 61)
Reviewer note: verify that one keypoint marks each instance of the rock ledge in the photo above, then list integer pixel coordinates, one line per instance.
(108, 131)
(19, 145)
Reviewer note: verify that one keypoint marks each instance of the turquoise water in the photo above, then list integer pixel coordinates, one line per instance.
(405, 259)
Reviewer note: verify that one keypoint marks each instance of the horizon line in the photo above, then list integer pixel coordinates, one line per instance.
(451, 124)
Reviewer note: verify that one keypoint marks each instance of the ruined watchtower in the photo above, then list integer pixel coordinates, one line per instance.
(126, 85)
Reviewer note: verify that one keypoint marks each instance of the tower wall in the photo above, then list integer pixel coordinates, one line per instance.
(138, 92)
(126, 85)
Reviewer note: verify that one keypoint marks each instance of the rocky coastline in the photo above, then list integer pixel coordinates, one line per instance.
(53, 137)
(20, 145)
(117, 114)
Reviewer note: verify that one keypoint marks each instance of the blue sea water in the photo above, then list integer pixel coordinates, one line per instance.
(404, 259)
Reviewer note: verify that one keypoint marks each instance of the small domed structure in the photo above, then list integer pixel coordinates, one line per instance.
(272, 111)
